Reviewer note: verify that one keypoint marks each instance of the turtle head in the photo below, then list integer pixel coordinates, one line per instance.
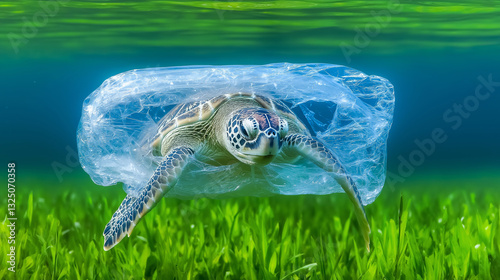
(255, 135)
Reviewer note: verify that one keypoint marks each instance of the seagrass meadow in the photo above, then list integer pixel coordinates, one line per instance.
(452, 233)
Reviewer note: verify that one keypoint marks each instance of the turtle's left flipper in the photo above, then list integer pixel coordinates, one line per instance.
(134, 208)
(317, 152)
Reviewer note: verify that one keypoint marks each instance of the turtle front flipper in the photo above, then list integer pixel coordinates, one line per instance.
(317, 152)
(133, 209)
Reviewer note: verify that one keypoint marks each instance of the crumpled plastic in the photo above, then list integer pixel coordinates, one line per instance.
(349, 111)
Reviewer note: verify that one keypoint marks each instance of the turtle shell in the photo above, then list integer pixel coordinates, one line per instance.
(349, 111)
(195, 111)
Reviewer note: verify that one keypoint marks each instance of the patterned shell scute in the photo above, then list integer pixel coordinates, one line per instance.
(185, 114)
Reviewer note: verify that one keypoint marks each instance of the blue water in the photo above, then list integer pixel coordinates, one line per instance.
(42, 92)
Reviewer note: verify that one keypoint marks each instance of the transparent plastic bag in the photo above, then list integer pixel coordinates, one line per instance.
(347, 110)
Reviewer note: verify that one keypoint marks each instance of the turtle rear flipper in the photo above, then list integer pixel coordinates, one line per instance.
(133, 209)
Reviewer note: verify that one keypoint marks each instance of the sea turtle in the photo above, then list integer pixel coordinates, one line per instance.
(244, 127)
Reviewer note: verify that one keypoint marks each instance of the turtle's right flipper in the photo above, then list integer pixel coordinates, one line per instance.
(133, 209)
(317, 152)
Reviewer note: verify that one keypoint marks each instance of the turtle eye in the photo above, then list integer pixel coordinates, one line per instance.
(283, 128)
(249, 128)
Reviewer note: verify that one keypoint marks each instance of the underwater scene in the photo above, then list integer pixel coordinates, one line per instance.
(250, 139)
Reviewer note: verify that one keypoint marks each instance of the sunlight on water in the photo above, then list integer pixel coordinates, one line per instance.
(384, 26)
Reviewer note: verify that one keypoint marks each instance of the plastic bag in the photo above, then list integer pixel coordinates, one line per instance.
(347, 110)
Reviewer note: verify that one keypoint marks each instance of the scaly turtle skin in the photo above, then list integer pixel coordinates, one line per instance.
(230, 128)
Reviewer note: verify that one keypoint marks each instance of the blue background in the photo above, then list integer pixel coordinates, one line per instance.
(44, 84)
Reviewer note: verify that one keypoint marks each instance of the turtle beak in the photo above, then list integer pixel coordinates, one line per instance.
(264, 149)
(270, 142)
